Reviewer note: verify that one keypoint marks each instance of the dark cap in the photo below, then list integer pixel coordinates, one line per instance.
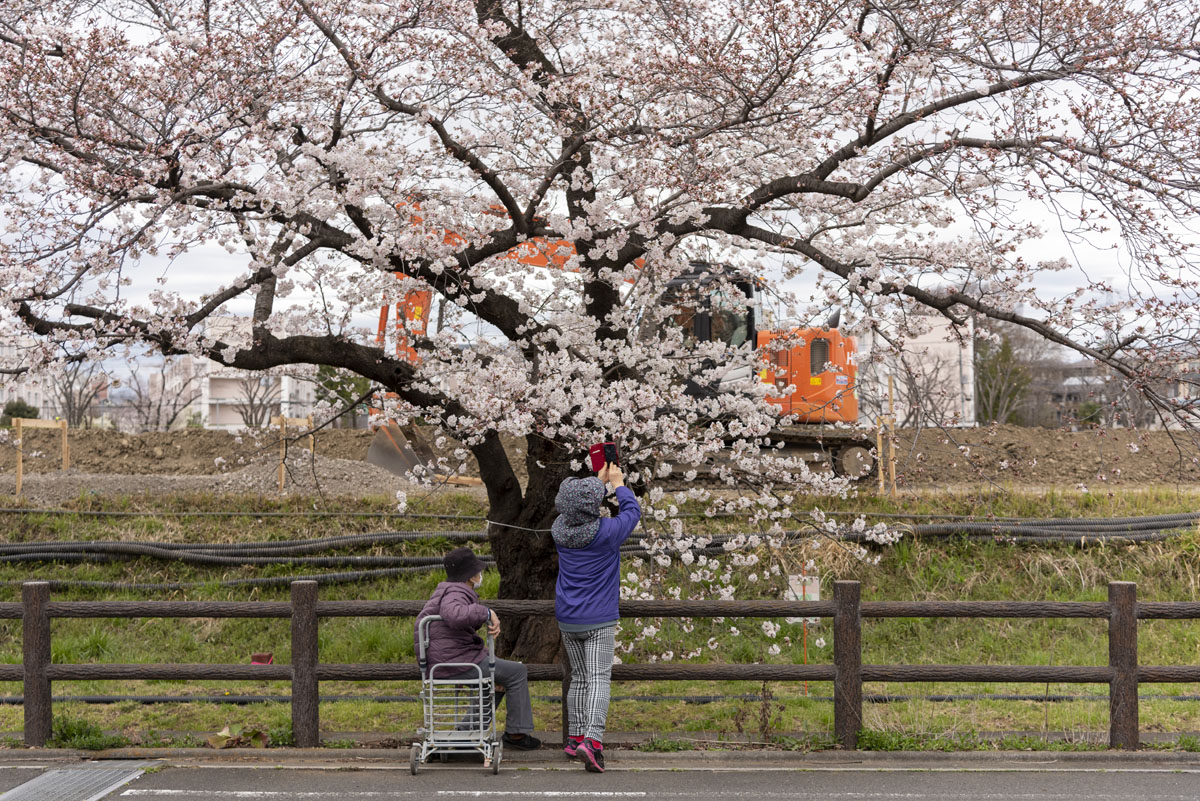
(461, 564)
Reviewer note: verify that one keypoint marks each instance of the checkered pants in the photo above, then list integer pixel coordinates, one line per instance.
(591, 657)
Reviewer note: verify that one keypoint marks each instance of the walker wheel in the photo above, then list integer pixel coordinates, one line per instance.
(497, 755)
(414, 759)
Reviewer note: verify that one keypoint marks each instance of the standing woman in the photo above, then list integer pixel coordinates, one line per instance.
(586, 600)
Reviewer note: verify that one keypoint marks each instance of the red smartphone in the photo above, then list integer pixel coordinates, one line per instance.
(603, 452)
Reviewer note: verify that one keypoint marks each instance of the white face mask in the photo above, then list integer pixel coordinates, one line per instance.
(477, 584)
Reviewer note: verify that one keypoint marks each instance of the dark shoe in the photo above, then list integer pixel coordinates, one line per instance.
(593, 760)
(526, 743)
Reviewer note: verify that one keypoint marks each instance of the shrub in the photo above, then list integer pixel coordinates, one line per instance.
(16, 408)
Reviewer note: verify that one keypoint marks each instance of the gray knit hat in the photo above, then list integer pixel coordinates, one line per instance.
(578, 505)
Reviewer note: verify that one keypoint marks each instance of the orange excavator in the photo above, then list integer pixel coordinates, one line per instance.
(818, 364)
(401, 449)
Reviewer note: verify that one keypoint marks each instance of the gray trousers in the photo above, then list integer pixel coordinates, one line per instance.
(513, 679)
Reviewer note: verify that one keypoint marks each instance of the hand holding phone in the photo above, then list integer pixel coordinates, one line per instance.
(603, 453)
(611, 474)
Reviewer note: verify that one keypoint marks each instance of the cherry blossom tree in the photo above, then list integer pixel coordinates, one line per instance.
(902, 154)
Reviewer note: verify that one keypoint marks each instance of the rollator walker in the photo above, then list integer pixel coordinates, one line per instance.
(459, 703)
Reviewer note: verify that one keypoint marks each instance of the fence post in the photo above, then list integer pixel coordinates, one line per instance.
(35, 619)
(847, 663)
(1123, 659)
(17, 425)
(306, 720)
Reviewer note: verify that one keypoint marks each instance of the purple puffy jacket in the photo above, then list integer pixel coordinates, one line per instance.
(453, 638)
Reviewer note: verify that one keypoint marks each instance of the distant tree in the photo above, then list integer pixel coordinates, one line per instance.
(17, 408)
(1090, 413)
(159, 392)
(1128, 407)
(76, 388)
(1021, 378)
(1001, 380)
(260, 399)
(341, 389)
(922, 390)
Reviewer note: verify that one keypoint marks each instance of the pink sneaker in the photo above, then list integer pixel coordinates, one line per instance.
(593, 758)
(572, 747)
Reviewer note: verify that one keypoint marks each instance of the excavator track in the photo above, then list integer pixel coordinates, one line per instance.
(846, 451)
(849, 452)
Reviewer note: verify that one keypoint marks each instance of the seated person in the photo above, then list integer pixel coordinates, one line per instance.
(453, 639)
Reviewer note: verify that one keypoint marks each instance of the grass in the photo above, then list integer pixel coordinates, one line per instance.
(663, 745)
(873, 740)
(71, 732)
(911, 570)
(1188, 742)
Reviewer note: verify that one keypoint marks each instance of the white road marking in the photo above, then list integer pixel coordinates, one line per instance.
(251, 794)
(556, 793)
(850, 796)
(267, 794)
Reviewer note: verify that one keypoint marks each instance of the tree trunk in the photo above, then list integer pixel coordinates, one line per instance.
(527, 559)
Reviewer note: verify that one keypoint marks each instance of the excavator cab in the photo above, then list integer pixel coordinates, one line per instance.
(714, 304)
(817, 362)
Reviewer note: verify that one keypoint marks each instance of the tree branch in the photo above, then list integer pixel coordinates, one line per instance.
(942, 302)
(452, 145)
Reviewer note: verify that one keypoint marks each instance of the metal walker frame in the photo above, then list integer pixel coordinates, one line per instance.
(458, 700)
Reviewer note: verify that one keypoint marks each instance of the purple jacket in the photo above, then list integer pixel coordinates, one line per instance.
(589, 577)
(453, 638)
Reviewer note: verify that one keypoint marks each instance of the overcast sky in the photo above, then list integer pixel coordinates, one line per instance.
(200, 271)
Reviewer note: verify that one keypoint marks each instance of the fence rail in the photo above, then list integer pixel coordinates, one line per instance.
(847, 672)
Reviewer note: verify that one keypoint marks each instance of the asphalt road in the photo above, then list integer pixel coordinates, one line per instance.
(174, 784)
(894, 777)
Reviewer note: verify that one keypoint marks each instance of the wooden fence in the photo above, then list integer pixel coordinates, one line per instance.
(1122, 673)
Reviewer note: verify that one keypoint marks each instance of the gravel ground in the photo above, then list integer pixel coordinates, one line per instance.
(305, 475)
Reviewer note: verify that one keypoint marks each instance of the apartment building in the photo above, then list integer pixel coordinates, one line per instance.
(36, 391)
(220, 397)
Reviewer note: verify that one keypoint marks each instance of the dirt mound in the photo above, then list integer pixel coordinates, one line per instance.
(305, 474)
(191, 451)
(312, 474)
(197, 460)
(1038, 456)
(194, 460)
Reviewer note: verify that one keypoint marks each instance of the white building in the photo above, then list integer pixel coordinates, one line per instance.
(933, 381)
(234, 399)
(35, 391)
(231, 399)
